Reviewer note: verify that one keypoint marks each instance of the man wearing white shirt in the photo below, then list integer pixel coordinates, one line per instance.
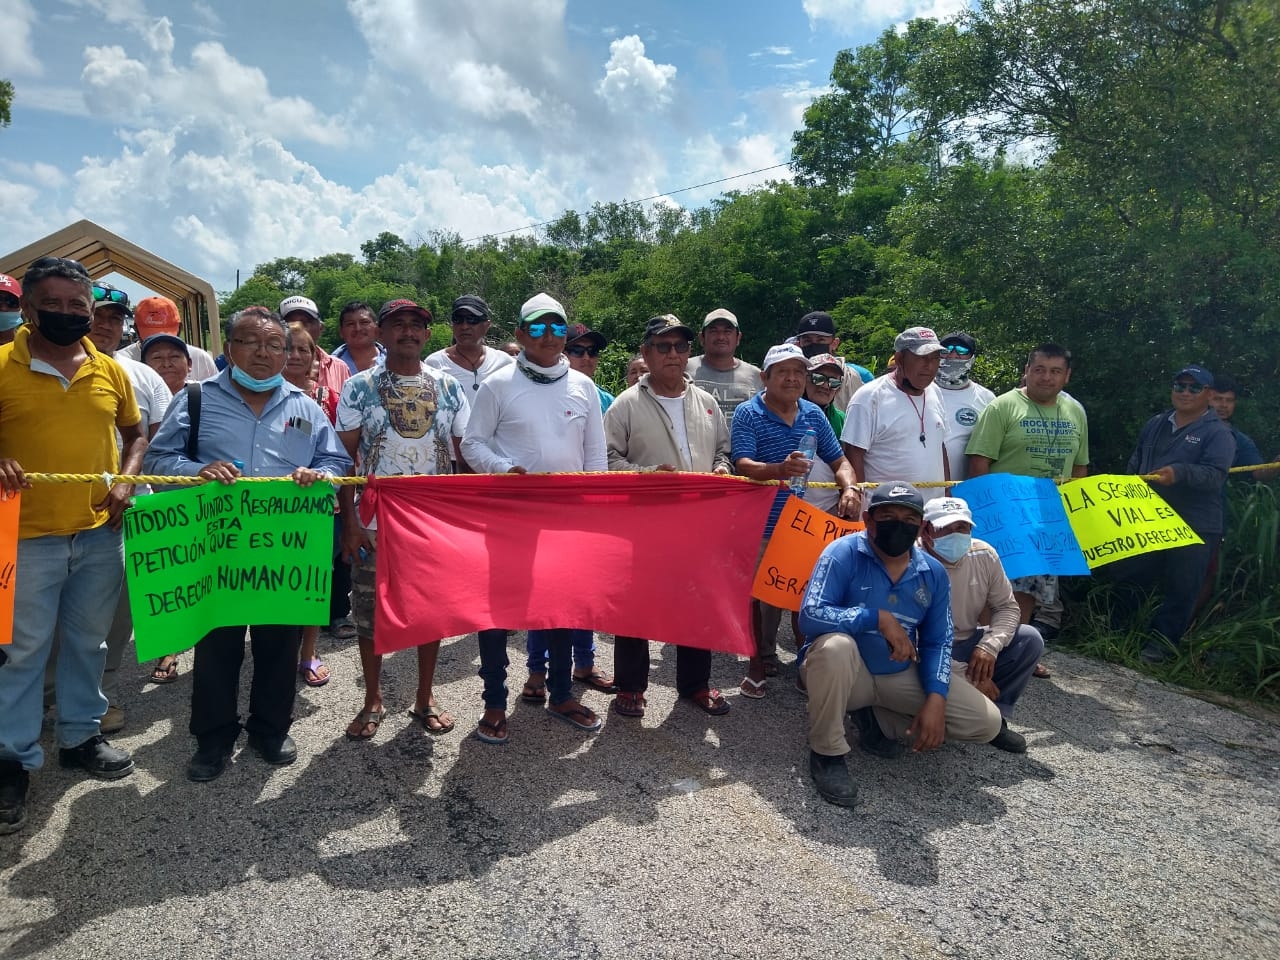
(467, 359)
(961, 397)
(896, 426)
(536, 415)
(155, 315)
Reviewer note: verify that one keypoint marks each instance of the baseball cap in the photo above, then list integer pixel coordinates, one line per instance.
(666, 323)
(719, 314)
(290, 304)
(896, 491)
(580, 331)
(392, 307)
(825, 360)
(816, 322)
(918, 340)
(1197, 373)
(783, 351)
(105, 295)
(538, 305)
(156, 339)
(944, 511)
(9, 285)
(962, 339)
(470, 303)
(155, 315)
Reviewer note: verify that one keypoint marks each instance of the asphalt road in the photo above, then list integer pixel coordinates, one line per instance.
(1142, 823)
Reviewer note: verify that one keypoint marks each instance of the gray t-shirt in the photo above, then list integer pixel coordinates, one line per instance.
(729, 387)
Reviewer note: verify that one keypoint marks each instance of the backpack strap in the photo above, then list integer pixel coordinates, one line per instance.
(193, 412)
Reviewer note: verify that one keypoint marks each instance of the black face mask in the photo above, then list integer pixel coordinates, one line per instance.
(63, 329)
(813, 349)
(895, 537)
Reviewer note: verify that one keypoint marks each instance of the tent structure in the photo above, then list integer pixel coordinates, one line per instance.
(103, 252)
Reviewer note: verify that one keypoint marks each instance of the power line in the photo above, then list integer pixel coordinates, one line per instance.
(632, 203)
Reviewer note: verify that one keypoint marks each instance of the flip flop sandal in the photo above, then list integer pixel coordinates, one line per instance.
(432, 712)
(629, 704)
(166, 675)
(597, 679)
(366, 718)
(498, 736)
(534, 693)
(772, 667)
(570, 717)
(710, 701)
(752, 689)
(310, 672)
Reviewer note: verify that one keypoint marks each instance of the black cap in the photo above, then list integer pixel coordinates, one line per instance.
(963, 339)
(470, 303)
(666, 323)
(580, 331)
(816, 322)
(896, 491)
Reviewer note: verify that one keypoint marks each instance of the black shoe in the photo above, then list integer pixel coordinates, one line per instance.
(1008, 740)
(278, 751)
(872, 739)
(98, 758)
(14, 782)
(1047, 633)
(832, 780)
(1158, 650)
(208, 763)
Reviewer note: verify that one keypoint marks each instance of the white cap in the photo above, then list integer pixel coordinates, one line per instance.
(944, 511)
(290, 304)
(540, 304)
(784, 351)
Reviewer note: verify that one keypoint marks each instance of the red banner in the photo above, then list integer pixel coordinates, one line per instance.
(667, 557)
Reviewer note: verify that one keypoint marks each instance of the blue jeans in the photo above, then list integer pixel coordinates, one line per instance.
(1013, 666)
(582, 641)
(72, 581)
(493, 668)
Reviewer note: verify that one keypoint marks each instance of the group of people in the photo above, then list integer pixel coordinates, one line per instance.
(886, 612)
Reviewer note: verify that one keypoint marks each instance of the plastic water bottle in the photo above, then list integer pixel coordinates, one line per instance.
(808, 449)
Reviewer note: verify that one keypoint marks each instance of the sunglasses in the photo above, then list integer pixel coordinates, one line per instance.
(44, 263)
(1180, 387)
(958, 349)
(666, 346)
(536, 330)
(818, 380)
(582, 351)
(469, 319)
(109, 295)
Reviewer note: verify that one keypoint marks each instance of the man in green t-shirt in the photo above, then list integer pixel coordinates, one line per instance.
(1036, 430)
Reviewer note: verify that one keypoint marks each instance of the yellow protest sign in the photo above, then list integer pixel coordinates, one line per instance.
(1114, 517)
(798, 538)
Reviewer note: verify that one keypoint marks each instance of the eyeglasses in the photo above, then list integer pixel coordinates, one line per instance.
(818, 380)
(536, 330)
(1180, 387)
(45, 263)
(666, 346)
(960, 350)
(275, 347)
(110, 295)
(582, 351)
(469, 319)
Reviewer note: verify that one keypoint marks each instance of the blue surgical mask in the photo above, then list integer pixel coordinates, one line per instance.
(953, 546)
(10, 319)
(254, 384)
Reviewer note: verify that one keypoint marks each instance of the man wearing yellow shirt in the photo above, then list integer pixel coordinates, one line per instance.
(61, 401)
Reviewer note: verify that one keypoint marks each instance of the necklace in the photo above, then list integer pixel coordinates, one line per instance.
(920, 412)
(463, 362)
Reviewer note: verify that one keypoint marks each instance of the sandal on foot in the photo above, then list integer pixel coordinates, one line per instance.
(161, 673)
(433, 712)
(752, 689)
(365, 718)
(579, 717)
(772, 667)
(493, 732)
(597, 679)
(710, 701)
(629, 704)
(1041, 672)
(534, 692)
(310, 671)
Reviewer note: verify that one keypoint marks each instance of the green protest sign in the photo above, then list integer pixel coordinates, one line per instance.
(216, 556)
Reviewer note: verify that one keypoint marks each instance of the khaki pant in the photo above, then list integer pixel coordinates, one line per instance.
(838, 681)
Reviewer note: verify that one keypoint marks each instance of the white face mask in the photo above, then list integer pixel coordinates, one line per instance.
(953, 546)
(953, 373)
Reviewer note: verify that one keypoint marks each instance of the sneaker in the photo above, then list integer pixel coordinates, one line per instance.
(98, 758)
(277, 751)
(208, 763)
(14, 782)
(342, 629)
(832, 780)
(112, 721)
(1009, 740)
(872, 738)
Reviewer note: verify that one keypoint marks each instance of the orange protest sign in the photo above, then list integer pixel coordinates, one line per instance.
(9, 507)
(798, 538)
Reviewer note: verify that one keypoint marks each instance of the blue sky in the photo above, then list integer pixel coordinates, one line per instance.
(224, 134)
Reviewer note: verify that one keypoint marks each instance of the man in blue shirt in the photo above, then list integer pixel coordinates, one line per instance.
(876, 606)
(252, 423)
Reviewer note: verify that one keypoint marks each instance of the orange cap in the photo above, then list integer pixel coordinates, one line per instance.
(156, 315)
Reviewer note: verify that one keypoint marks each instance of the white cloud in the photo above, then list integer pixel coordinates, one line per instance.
(848, 15)
(41, 174)
(631, 80)
(17, 56)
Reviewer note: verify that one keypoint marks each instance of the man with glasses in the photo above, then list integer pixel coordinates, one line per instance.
(962, 399)
(10, 310)
(244, 411)
(583, 350)
(1189, 450)
(816, 334)
(468, 360)
(666, 423)
(537, 415)
(718, 371)
(156, 315)
(61, 403)
(358, 328)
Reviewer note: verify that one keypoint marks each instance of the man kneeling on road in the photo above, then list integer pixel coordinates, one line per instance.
(876, 605)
